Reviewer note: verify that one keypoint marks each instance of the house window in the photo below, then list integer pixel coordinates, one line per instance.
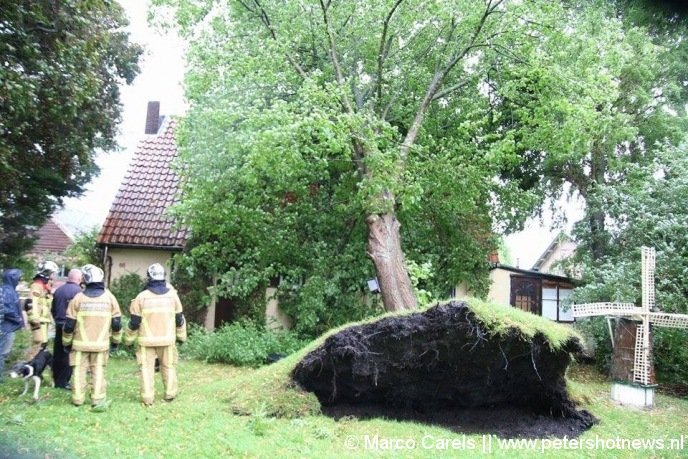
(525, 293)
(555, 304)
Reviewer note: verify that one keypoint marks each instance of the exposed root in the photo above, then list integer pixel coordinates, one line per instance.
(441, 358)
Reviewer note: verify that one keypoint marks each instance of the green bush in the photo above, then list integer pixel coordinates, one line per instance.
(84, 249)
(123, 351)
(125, 289)
(242, 343)
(192, 289)
(671, 355)
(596, 333)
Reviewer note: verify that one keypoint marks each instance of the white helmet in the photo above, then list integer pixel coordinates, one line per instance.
(46, 268)
(92, 273)
(156, 272)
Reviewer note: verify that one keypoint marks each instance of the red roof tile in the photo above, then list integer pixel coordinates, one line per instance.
(138, 214)
(51, 238)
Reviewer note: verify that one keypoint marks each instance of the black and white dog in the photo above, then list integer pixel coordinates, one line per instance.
(32, 370)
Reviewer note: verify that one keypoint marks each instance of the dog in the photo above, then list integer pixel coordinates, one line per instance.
(33, 370)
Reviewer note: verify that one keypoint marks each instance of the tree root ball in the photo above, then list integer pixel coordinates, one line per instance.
(441, 358)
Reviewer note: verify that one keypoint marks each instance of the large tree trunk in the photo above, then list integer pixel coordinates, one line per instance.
(596, 213)
(598, 235)
(384, 248)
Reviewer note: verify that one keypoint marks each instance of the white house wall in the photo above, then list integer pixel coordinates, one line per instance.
(549, 303)
(565, 310)
(500, 287)
(563, 251)
(125, 261)
(275, 319)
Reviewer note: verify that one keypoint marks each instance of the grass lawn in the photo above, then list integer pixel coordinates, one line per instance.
(200, 423)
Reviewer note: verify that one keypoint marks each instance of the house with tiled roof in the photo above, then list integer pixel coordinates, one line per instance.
(53, 238)
(138, 230)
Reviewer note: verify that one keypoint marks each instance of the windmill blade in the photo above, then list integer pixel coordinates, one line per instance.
(605, 309)
(663, 319)
(648, 277)
(641, 363)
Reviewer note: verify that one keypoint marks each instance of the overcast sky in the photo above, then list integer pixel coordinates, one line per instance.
(162, 71)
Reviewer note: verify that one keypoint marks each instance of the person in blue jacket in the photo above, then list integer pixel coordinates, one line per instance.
(11, 318)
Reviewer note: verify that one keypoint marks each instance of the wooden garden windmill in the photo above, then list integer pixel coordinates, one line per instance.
(632, 360)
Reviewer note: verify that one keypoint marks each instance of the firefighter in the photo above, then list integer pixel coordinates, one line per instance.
(38, 308)
(158, 323)
(92, 322)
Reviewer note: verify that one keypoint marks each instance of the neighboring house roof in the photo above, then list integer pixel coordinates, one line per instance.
(138, 216)
(52, 237)
(559, 249)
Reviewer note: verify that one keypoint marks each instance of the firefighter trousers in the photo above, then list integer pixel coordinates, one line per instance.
(39, 340)
(83, 363)
(167, 355)
(62, 371)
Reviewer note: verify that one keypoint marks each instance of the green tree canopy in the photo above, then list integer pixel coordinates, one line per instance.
(609, 88)
(62, 64)
(647, 210)
(316, 129)
(84, 249)
(635, 198)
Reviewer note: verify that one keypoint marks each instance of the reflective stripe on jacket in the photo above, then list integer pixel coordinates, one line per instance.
(157, 312)
(93, 332)
(39, 314)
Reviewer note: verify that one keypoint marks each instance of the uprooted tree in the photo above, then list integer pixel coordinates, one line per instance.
(316, 129)
(446, 357)
(323, 104)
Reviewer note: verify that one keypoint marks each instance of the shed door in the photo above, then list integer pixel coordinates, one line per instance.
(526, 294)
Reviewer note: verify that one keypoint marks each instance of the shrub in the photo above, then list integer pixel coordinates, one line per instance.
(84, 249)
(192, 289)
(241, 343)
(123, 351)
(596, 333)
(671, 355)
(125, 289)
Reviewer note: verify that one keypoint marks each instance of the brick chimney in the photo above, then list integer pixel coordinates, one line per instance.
(493, 257)
(153, 117)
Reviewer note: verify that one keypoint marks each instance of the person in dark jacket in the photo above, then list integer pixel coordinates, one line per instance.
(62, 372)
(12, 318)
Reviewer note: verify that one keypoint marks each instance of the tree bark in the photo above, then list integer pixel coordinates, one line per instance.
(596, 213)
(598, 234)
(384, 248)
